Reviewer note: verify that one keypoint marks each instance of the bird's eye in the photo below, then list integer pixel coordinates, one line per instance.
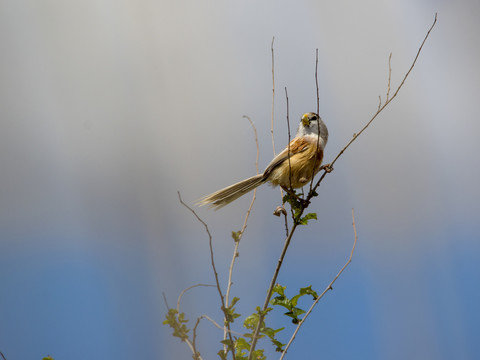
(314, 117)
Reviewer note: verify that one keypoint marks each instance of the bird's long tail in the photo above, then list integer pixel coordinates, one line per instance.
(225, 196)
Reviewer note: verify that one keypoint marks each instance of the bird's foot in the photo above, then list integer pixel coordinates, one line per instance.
(327, 167)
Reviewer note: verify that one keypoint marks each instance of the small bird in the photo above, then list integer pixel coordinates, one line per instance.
(305, 152)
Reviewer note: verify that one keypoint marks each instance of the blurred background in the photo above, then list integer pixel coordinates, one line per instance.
(108, 108)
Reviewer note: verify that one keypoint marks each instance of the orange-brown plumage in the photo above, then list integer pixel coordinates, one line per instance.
(305, 161)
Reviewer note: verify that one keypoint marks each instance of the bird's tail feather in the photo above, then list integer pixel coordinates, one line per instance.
(225, 196)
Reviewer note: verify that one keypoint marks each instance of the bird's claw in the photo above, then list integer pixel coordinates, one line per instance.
(327, 167)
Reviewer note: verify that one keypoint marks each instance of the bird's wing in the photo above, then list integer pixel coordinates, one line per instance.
(297, 145)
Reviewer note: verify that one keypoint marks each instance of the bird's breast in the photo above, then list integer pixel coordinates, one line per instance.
(300, 169)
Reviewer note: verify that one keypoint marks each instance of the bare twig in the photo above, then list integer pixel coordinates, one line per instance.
(273, 105)
(380, 108)
(256, 140)
(3, 356)
(165, 300)
(289, 138)
(217, 325)
(316, 81)
(222, 299)
(185, 290)
(318, 113)
(237, 240)
(273, 95)
(194, 338)
(196, 355)
(210, 244)
(191, 344)
(270, 290)
(329, 287)
(286, 221)
(389, 74)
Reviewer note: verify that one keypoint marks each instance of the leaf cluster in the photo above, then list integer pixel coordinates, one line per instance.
(177, 322)
(291, 304)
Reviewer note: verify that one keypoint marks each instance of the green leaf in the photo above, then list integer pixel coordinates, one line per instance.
(222, 354)
(304, 220)
(279, 289)
(281, 301)
(293, 200)
(242, 344)
(234, 301)
(271, 332)
(308, 291)
(278, 345)
(291, 304)
(227, 342)
(295, 312)
(251, 321)
(258, 355)
(230, 314)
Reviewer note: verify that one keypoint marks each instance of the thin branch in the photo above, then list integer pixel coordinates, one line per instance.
(191, 345)
(415, 60)
(273, 105)
(256, 140)
(196, 354)
(318, 113)
(270, 290)
(222, 299)
(237, 240)
(3, 356)
(185, 290)
(316, 81)
(286, 222)
(273, 94)
(329, 287)
(389, 74)
(381, 108)
(165, 300)
(217, 325)
(289, 138)
(210, 244)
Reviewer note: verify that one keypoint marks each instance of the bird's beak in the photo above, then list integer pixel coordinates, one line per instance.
(305, 120)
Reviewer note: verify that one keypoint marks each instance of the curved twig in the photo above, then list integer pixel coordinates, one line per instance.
(219, 289)
(185, 290)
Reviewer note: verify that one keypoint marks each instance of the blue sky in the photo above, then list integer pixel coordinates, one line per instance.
(108, 108)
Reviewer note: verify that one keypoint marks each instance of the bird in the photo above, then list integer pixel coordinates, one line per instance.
(293, 168)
